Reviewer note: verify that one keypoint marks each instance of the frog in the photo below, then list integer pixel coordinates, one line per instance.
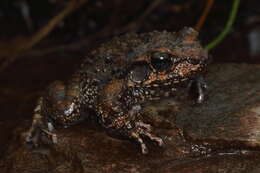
(116, 80)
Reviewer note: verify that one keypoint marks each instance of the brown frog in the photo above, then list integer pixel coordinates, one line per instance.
(117, 79)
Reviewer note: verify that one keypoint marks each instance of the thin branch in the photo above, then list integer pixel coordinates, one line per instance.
(204, 15)
(71, 6)
(85, 41)
(42, 33)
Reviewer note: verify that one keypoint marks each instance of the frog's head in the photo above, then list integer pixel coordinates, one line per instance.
(167, 59)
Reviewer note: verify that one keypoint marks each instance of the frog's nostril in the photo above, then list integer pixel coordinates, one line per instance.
(194, 61)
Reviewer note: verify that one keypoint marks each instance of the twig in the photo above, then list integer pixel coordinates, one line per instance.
(83, 42)
(204, 15)
(71, 6)
(74, 46)
(42, 33)
(228, 26)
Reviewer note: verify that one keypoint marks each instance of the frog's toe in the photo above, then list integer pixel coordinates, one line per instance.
(156, 139)
(139, 139)
(28, 138)
(33, 136)
(145, 130)
(31, 139)
(51, 135)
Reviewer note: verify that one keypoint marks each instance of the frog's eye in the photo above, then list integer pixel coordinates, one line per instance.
(139, 72)
(161, 61)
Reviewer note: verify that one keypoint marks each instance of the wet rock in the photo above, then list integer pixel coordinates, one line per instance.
(89, 149)
(226, 164)
(231, 115)
(221, 135)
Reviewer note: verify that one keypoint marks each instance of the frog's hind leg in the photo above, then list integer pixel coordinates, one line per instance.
(32, 136)
(144, 130)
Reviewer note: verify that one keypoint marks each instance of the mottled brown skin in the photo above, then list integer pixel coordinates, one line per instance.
(118, 78)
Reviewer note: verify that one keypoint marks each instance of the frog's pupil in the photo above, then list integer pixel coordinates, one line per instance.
(161, 61)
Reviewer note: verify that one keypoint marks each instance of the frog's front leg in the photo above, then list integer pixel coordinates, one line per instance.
(200, 86)
(121, 118)
(130, 126)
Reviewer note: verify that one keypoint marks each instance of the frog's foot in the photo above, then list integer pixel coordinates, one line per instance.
(32, 136)
(39, 127)
(200, 87)
(144, 130)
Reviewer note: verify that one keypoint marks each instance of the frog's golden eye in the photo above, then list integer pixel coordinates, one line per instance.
(161, 61)
(139, 72)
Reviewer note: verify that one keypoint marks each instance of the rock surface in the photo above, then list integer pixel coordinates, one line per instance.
(231, 115)
(221, 135)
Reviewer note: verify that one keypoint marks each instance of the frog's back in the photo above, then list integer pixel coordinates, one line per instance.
(112, 59)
